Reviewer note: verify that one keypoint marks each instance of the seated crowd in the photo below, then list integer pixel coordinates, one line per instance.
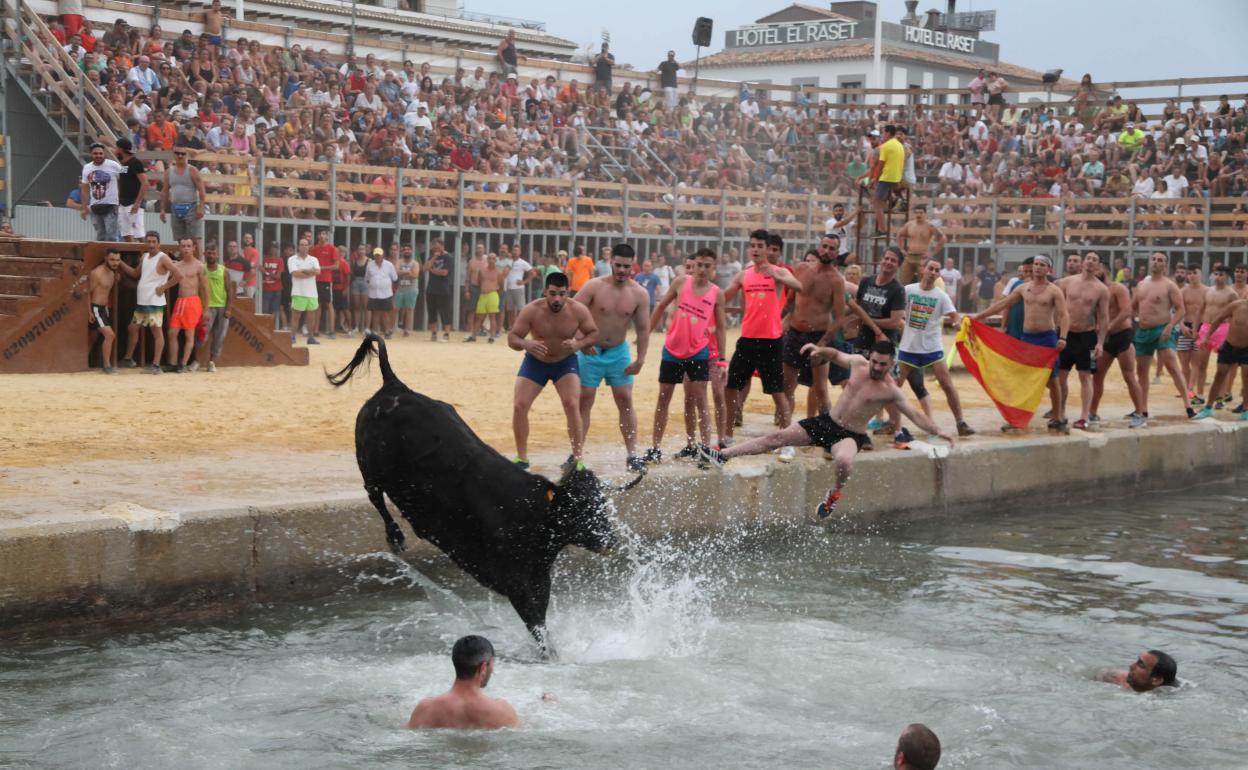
(242, 98)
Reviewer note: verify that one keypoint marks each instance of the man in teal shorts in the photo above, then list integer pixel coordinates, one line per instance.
(615, 301)
(1158, 303)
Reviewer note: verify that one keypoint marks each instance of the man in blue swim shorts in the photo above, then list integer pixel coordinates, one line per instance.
(616, 302)
(1045, 323)
(560, 328)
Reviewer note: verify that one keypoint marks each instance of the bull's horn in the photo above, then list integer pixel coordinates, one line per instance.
(625, 487)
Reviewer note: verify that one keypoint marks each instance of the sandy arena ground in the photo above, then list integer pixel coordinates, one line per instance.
(76, 443)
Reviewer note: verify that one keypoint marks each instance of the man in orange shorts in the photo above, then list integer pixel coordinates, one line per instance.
(189, 309)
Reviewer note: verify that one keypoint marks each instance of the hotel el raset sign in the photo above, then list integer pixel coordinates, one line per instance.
(831, 31)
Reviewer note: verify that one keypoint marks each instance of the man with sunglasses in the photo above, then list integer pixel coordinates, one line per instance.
(183, 192)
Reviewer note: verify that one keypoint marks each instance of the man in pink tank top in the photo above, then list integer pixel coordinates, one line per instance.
(760, 347)
(686, 350)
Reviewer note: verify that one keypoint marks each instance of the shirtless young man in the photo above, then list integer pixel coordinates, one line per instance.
(560, 328)
(189, 309)
(214, 28)
(821, 299)
(157, 275)
(464, 706)
(915, 238)
(100, 283)
(616, 302)
(843, 429)
(1087, 302)
(1158, 304)
(1117, 346)
(1045, 323)
(1216, 298)
(472, 291)
(697, 325)
(1193, 312)
(490, 282)
(1232, 354)
(1150, 670)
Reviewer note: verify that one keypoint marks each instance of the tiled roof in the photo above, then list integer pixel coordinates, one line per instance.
(765, 56)
(824, 12)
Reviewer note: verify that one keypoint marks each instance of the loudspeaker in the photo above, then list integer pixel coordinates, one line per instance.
(702, 31)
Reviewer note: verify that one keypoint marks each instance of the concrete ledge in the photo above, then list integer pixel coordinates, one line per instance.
(126, 560)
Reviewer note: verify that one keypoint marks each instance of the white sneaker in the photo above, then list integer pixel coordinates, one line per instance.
(786, 454)
(194, 367)
(212, 367)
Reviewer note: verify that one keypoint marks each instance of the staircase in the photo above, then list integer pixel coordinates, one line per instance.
(623, 158)
(44, 305)
(37, 65)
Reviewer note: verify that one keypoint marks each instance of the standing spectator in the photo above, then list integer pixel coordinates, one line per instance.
(603, 265)
(131, 192)
(71, 15)
(408, 291)
(667, 80)
(508, 57)
(183, 191)
(220, 295)
(382, 277)
(978, 88)
(603, 63)
(438, 291)
(996, 86)
(252, 258)
(98, 187)
(303, 269)
(580, 269)
(986, 280)
(214, 28)
(519, 273)
(648, 280)
(327, 256)
(952, 277)
(272, 267)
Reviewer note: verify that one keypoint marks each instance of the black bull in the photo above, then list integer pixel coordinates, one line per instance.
(500, 524)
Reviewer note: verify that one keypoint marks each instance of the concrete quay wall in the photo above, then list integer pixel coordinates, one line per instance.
(125, 562)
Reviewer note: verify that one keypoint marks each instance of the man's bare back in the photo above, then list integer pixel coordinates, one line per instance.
(823, 290)
(1155, 299)
(554, 332)
(462, 709)
(614, 307)
(1237, 332)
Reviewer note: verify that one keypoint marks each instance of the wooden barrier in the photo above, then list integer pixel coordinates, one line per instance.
(44, 305)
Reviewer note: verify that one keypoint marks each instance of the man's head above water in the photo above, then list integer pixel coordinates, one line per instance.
(473, 658)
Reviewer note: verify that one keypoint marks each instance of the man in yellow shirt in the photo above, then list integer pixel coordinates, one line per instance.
(886, 173)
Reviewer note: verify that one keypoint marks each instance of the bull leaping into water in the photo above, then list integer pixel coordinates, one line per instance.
(500, 524)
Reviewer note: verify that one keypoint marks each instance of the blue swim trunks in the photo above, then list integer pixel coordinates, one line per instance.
(608, 364)
(1149, 341)
(1045, 340)
(541, 372)
(920, 360)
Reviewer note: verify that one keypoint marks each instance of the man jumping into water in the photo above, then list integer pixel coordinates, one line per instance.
(464, 706)
(550, 357)
(842, 431)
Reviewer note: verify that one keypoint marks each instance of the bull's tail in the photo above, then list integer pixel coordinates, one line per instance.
(372, 345)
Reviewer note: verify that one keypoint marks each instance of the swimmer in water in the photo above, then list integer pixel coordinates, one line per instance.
(918, 748)
(1150, 670)
(464, 706)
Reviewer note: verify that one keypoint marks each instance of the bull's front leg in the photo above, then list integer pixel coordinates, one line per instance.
(530, 602)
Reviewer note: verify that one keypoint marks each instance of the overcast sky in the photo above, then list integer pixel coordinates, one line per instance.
(1112, 39)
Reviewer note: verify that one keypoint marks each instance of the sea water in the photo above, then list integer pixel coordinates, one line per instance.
(790, 646)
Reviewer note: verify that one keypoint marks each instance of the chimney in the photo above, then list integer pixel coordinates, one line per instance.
(911, 19)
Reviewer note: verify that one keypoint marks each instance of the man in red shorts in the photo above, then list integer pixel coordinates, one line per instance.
(189, 309)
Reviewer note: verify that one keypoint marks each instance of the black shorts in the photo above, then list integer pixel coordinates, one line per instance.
(1079, 353)
(381, 305)
(341, 300)
(759, 355)
(1227, 355)
(996, 98)
(674, 372)
(792, 354)
(324, 294)
(1117, 343)
(99, 317)
(438, 309)
(826, 432)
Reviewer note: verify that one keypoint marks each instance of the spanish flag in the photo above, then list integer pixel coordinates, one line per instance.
(1013, 373)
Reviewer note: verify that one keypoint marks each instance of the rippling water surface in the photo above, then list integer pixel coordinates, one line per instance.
(788, 647)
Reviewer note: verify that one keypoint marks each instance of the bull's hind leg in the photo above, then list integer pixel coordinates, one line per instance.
(394, 535)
